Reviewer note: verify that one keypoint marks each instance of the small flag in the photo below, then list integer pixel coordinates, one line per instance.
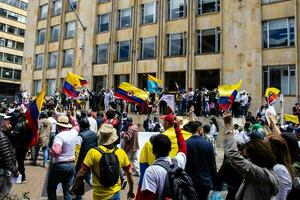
(272, 95)
(227, 94)
(130, 93)
(291, 118)
(170, 100)
(32, 116)
(153, 84)
(72, 83)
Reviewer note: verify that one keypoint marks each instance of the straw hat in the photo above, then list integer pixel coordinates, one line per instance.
(63, 121)
(108, 134)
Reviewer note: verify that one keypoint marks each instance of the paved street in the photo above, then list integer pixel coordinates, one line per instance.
(36, 175)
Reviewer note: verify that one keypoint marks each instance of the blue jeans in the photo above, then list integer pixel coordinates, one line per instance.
(117, 196)
(36, 153)
(60, 173)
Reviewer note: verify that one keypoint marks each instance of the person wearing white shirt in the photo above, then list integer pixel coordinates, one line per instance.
(93, 123)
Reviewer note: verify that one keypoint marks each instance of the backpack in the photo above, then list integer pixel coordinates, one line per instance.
(109, 168)
(178, 184)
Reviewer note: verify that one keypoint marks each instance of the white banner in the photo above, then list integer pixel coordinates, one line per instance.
(170, 100)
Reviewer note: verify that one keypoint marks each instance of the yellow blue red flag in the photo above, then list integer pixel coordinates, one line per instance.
(32, 116)
(227, 94)
(272, 95)
(72, 83)
(130, 93)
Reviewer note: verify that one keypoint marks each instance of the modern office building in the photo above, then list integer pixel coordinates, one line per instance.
(191, 43)
(12, 31)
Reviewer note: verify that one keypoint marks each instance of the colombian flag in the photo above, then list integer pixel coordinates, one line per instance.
(272, 95)
(71, 84)
(130, 93)
(227, 94)
(32, 116)
(153, 84)
(147, 157)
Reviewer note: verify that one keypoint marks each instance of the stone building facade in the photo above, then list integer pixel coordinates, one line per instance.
(189, 43)
(12, 32)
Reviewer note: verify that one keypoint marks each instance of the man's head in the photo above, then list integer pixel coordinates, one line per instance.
(63, 123)
(196, 128)
(84, 123)
(100, 114)
(161, 145)
(6, 125)
(110, 114)
(168, 121)
(206, 129)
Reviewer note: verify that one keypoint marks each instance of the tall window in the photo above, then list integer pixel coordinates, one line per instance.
(7, 73)
(37, 84)
(125, 18)
(51, 87)
(103, 23)
(208, 41)
(176, 9)
(57, 7)
(39, 61)
(279, 33)
(281, 77)
(70, 32)
(148, 48)
(124, 50)
(68, 57)
(208, 6)
(101, 53)
(53, 58)
(176, 44)
(55, 33)
(44, 11)
(41, 36)
(72, 5)
(149, 13)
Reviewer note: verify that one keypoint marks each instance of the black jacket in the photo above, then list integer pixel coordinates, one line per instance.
(89, 140)
(7, 154)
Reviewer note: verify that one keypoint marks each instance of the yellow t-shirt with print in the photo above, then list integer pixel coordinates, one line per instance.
(92, 160)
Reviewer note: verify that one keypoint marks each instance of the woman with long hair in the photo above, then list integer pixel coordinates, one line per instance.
(283, 169)
(260, 182)
(214, 128)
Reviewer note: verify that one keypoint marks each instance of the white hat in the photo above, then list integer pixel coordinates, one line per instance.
(63, 121)
(108, 134)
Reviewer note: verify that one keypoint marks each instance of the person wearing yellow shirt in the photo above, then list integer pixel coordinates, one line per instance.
(107, 143)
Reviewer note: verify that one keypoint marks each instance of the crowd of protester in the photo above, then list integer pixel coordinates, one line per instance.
(261, 158)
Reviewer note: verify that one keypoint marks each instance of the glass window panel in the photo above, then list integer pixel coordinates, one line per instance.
(278, 33)
(51, 87)
(72, 5)
(124, 51)
(208, 41)
(148, 48)
(37, 86)
(104, 22)
(176, 9)
(292, 31)
(41, 36)
(176, 44)
(70, 33)
(125, 18)
(7, 73)
(39, 61)
(53, 59)
(149, 13)
(57, 7)
(44, 11)
(17, 75)
(102, 53)
(68, 60)
(55, 33)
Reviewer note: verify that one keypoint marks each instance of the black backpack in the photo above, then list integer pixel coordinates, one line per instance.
(109, 168)
(178, 184)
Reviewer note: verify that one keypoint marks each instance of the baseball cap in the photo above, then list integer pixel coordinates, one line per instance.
(169, 118)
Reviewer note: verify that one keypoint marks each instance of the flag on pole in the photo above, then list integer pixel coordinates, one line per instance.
(130, 93)
(170, 100)
(272, 95)
(153, 84)
(227, 94)
(72, 83)
(291, 118)
(32, 116)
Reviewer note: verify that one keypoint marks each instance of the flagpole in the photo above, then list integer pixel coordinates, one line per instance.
(282, 108)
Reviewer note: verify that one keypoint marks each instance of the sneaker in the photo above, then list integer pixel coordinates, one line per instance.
(123, 184)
